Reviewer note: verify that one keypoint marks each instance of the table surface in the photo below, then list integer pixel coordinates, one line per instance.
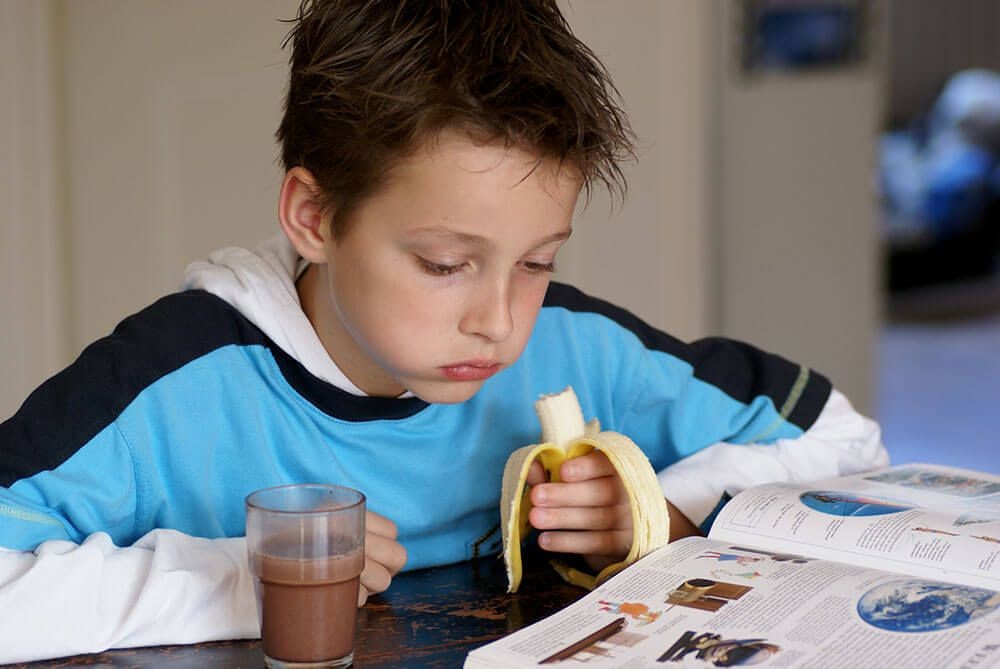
(428, 618)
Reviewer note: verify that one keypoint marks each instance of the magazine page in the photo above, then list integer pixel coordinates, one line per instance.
(923, 520)
(700, 603)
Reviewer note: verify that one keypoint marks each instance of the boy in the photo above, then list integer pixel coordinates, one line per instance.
(393, 339)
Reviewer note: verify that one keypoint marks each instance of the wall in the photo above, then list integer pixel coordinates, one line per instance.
(171, 109)
(33, 341)
(798, 251)
(653, 255)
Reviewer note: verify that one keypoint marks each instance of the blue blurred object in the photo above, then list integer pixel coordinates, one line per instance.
(957, 189)
(939, 181)
(938, 177)
(970, 100)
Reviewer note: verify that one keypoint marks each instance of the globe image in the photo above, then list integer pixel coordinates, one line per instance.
(839, 503)
(916, 605)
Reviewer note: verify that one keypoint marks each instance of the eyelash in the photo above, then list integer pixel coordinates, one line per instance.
(438, 269)
(540, 267)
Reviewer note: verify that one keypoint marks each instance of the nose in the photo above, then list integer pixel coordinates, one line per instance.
(489, 312)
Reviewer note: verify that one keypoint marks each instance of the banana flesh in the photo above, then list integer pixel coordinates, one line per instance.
(565, 435)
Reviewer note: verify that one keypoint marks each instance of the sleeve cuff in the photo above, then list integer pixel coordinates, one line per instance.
(706, 525)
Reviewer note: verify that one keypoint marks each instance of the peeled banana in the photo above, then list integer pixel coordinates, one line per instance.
(565, 436)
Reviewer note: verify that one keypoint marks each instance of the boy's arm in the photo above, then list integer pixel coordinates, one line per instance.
(713, 416)
(840, 442)
(167, 588)
(588, 513)
(718, 415)
(680, 525)
(50, 498)
(84, 598)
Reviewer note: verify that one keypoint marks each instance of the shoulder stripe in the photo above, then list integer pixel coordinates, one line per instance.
(740, 370)
(71, 408)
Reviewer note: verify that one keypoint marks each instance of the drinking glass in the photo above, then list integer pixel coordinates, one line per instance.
(306, 548)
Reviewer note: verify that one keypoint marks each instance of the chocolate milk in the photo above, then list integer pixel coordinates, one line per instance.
(308, 606)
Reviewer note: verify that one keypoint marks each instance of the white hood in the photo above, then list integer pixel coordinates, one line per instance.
(260, 284)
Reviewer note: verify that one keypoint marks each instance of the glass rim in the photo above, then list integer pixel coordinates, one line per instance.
(322, 486)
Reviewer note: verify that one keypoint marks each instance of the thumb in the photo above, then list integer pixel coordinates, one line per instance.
(536, 474)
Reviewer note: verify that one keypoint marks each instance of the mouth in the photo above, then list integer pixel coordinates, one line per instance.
(471, 370)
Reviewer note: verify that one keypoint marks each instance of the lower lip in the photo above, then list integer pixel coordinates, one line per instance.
(469, 373)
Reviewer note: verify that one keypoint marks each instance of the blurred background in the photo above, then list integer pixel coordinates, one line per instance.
(817, 177)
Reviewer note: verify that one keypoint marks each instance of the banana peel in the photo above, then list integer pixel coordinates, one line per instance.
(565, 435)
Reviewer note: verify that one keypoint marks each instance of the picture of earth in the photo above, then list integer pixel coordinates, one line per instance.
(916, 605)
(838, 503)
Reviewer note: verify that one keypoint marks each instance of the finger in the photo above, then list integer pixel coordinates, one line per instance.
(376, 524)
(375, 577)
(599, 562)
(590, 466)
(386, 552)
(536, 474)
(362, 596)
(618, 517)
(614, 543)
(605, 491)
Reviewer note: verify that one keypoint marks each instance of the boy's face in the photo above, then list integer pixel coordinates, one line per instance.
(438, 280)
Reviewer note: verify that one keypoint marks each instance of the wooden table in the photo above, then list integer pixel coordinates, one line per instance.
(428, 618)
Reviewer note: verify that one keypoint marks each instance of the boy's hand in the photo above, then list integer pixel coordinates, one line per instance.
(586, 513)
(384, 556)
(592, 502)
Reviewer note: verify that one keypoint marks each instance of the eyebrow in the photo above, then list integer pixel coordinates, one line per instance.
(477, 240)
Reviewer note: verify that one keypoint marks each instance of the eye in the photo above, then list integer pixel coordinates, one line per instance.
(438, 269)
(539, 267)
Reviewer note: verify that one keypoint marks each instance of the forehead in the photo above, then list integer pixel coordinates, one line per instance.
(454, 169)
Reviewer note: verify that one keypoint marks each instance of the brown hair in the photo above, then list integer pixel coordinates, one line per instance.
(372, 79)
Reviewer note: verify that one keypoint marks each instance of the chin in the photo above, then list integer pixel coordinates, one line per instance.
(446, 393)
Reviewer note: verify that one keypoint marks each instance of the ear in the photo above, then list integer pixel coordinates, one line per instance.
(300, 216)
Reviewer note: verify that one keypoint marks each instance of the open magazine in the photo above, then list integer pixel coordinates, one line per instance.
(894, 568)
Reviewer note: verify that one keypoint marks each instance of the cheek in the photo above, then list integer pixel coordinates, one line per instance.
(394, 312)
(416, 308)
(526, 304)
